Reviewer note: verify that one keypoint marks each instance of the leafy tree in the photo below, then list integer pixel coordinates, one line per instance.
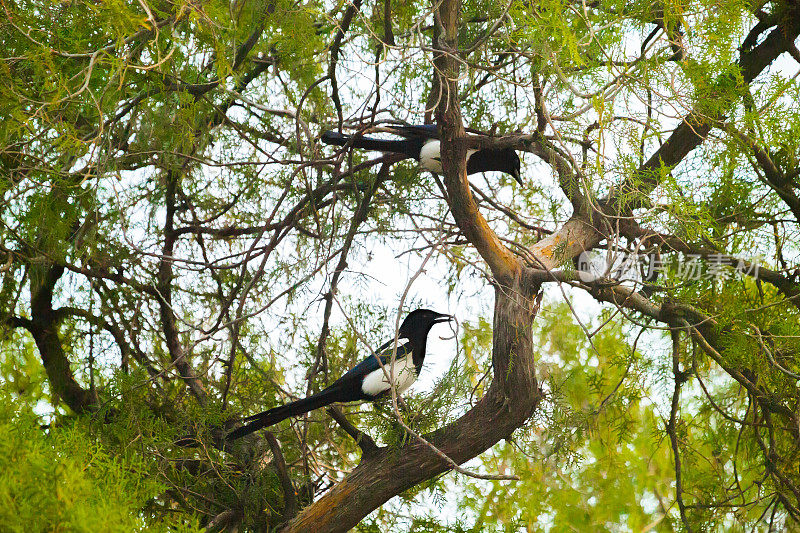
(178, 249)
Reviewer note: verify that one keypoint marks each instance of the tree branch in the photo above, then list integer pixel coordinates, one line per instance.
(364, 441)
(164, 285)
(289, 496)
(673, 424)
(694, 128)
(43, 326)
(503, 264)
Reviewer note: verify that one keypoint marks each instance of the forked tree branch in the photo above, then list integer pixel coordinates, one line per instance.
(43, 326)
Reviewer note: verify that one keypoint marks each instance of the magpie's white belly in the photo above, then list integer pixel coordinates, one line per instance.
(430, 157)
(405, 373)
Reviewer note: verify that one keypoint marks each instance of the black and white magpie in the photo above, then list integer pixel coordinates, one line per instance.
(365, 381)
(422, 143)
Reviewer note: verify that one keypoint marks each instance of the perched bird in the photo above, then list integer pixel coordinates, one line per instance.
(365, 381)
(422, 143)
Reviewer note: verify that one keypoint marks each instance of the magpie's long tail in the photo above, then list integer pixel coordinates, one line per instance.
(409, 147)
(277, 414)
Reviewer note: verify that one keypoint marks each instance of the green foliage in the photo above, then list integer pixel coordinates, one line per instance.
(593, 459)
(63, 478)
(21, 371)
(110, 109)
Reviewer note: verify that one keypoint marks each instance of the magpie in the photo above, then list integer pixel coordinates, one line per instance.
(422, 143)
(365, 381)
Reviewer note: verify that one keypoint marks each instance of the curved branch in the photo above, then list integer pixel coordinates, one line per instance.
(508, 404)
(43, 326)
(115, 331)
(289, 495)
(364, 441)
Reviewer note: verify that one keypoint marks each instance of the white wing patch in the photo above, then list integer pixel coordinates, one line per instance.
(405, 374)
(430, 157)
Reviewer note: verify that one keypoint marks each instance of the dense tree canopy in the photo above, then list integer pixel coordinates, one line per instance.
(178, 249)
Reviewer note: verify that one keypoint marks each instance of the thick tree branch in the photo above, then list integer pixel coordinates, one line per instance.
(510, 401)
(571, 239)
(503, 264)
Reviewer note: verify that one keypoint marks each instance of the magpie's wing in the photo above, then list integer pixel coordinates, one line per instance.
(427, 131)
(370, 364)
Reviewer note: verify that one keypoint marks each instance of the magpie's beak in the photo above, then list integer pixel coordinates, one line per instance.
(443, 318)
(516, 176)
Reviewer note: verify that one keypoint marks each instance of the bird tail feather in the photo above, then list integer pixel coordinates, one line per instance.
(409, 147)
(282, 412)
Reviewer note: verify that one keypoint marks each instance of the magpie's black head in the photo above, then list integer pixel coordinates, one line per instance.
(505, 160)
(420, 322)
(514, 164)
